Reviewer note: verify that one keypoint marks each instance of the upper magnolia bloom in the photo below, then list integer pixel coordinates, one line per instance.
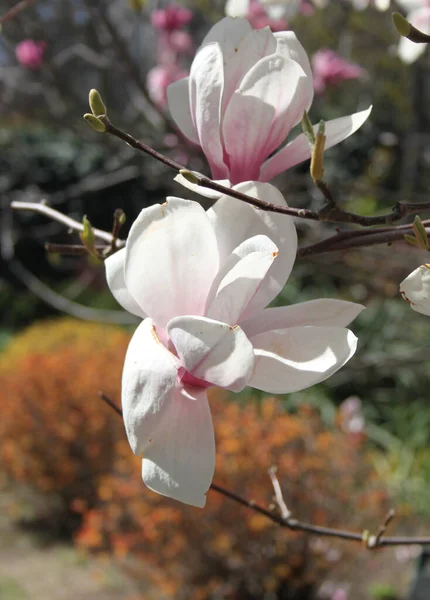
(415, 289)
(200, 280)
(330, 69)
(276, 9)
(246, 90)
(419, 16)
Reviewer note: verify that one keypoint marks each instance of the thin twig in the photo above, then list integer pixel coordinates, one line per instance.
(330, 213)
(15, 10)
(377, 541)
(285, 513)
(43, 209)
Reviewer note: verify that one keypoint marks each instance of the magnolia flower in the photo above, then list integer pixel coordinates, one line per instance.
(415, 289)
(171, 18)
(258, 18)
(419, 16)
(246, 91)
(331, 69)
(30, 53)
(159, 78)
(200, 280)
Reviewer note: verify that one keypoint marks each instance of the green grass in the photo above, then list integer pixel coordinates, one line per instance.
(11, 590)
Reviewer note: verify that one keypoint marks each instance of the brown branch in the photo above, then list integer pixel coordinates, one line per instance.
(15, 10)
(371, 542)
(330, 213)
(359, 238)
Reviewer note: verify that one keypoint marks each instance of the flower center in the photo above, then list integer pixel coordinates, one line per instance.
(188, 379)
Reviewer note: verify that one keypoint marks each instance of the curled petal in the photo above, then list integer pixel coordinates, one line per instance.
(213, 351)
(114, 266)
(288, 43)
(240, 279)
(299, 150)
(325, 312)
(235, 221)
(148, 382)
(291, 360)
(199, 189)
(206, 86)
(180, 461)
(228, 34)
(171, 259)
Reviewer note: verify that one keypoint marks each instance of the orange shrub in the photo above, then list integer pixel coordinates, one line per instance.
(55, 433)
(226, 551)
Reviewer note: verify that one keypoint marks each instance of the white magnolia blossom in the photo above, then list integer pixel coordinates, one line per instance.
(246, 91)
(274, 8)
(201, 281)
(415, 289)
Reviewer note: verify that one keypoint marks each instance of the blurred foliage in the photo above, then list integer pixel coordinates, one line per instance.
(227, 551)
(56, 434)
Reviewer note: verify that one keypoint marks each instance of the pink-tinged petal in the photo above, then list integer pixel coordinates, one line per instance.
(199, 189)
(171, 259)
(240, 278)
(179, 105)
(299, 150)
(291, 360)
(326, 312)
(261, 113)
(237, 8)
(235, 221)
(148, 383)
(115, 279)
(206, 86)
(255, 46)
(180, 461)
(213, 351)
(289, 45)
(228, 34)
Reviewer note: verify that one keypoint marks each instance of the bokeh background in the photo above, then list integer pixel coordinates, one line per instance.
(75, 518)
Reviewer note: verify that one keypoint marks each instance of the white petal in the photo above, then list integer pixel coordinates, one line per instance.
(114, 266)
(171, 259)
(237, 8)
(206, 85)
(240, 278)
(256, 45)
(287, 42)
(322, 313)
(179, 105)
(293, 359)
(180, 462)
(415, 289)
(261, 113)
(213, 351)
(299, 150)
(235, 221)
(228, 33)
(148, 382)
(199, 189)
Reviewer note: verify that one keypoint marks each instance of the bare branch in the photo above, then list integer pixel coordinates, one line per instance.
(371, 542)
(15, 10)
(51, 213)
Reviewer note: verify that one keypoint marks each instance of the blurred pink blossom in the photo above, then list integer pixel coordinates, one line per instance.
(159, 78)
(180, 41)
(258, 18)
(30, 53)
(171, 18)
(330, 69)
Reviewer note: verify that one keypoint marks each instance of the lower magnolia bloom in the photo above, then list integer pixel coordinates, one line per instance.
(415, 289)
(200, 280)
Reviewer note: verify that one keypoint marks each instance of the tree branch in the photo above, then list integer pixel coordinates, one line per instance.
(371, 542)
(330, 213)
(15, 10)
(43, 209)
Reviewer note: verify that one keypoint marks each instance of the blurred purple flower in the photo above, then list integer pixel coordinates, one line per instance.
(330, 69)
(30, 53)
(171, 18)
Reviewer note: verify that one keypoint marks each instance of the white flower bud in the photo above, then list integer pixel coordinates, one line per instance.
(415, 289)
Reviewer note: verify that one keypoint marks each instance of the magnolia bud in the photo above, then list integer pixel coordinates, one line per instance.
(415, 289)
